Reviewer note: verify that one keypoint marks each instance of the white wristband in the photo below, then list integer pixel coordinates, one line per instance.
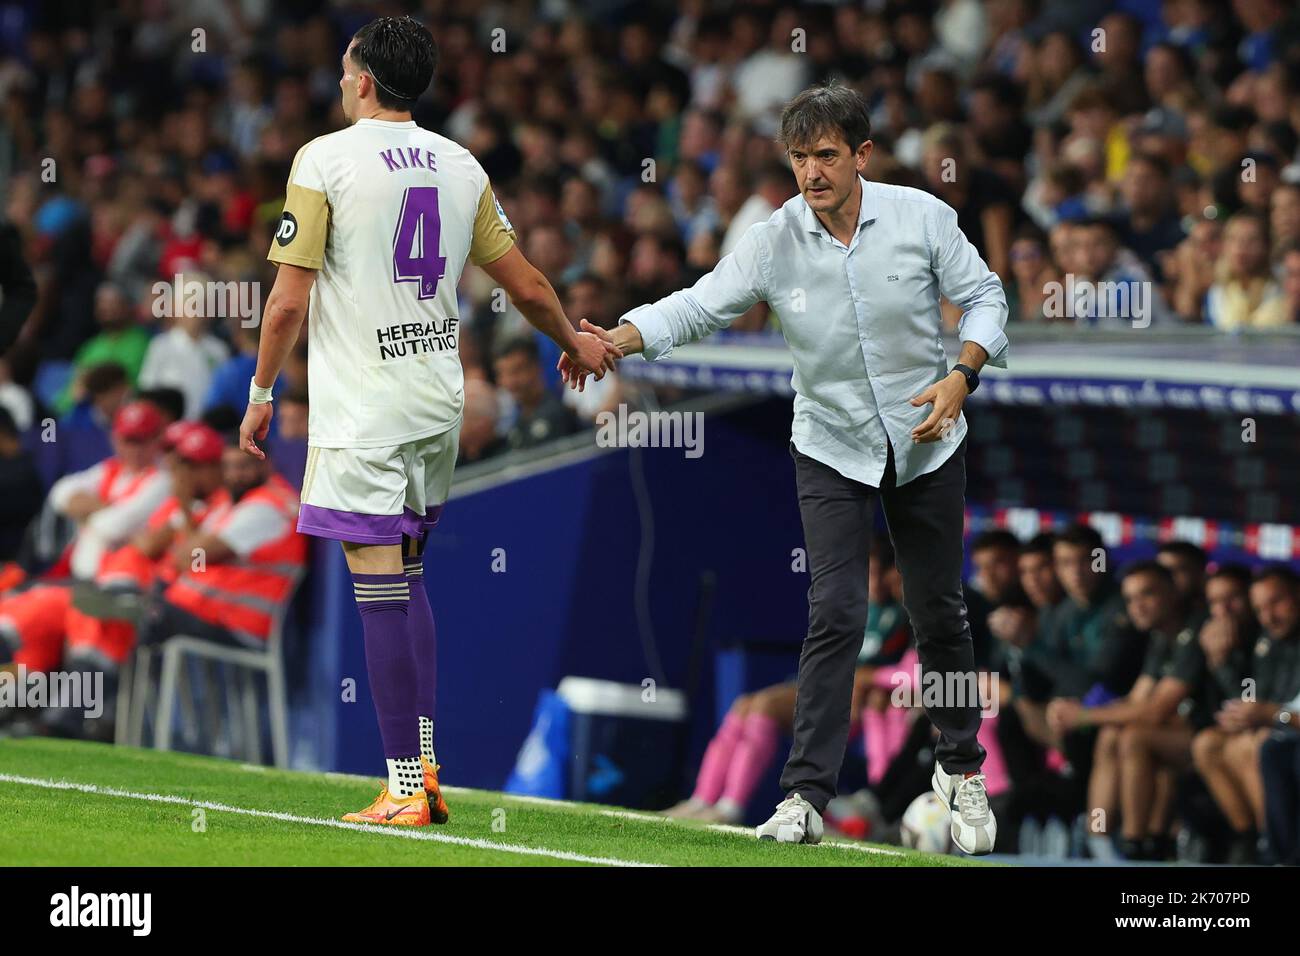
(256, 394)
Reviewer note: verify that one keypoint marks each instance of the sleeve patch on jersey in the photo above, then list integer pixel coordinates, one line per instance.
(493, 235)
(505, 220)
(304, 225)
(288, 229)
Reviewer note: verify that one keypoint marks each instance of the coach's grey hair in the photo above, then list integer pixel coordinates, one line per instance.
(818, 110)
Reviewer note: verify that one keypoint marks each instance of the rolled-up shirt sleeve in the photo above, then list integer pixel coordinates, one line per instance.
(251, 525)
(67, 487)
(713, 303)
(113, 526)
(973, 286)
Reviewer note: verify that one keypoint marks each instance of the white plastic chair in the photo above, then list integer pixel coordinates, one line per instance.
(245, 663)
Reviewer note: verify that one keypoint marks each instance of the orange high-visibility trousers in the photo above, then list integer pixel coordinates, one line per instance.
(37, 618)
(107, 639)
(91, 636)
(112, 640)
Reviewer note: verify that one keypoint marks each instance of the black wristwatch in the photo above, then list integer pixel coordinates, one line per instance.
(972, 376)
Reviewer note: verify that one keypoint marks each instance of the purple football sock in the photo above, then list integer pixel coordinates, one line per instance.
(383, 600)
(424, 639)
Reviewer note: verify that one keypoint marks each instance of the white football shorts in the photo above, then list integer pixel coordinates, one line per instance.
(376, 495)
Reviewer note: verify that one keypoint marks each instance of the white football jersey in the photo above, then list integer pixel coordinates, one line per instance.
(387, 213)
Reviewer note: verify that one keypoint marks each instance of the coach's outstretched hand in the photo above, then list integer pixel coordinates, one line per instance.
(947, 396)
(257, 422)
(594, 353)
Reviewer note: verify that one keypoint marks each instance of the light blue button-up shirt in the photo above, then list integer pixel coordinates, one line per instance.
(862, 321)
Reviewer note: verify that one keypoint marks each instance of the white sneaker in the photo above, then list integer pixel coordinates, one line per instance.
(795, 821)
(974, 828)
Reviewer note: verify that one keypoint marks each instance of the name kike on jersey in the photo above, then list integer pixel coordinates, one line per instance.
(397, 159)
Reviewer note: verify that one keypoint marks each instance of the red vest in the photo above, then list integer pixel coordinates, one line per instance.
(242, 594)
(128, 563)
(113, 468)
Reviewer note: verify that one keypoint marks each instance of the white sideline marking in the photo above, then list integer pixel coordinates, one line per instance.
(406, 833)
(622, 814)
(351, 777)
(743, 831)
(518, 798)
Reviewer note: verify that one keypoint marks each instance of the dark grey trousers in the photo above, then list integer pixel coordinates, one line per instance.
(1279, 765)
(926, 517)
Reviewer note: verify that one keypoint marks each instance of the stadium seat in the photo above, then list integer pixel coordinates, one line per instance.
(245, 663)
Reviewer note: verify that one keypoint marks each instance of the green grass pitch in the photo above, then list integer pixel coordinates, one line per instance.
(80, 804)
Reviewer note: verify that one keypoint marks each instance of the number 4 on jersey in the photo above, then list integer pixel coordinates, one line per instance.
(416, 242)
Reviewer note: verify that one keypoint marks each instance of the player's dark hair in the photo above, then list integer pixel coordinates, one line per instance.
(1151, 567)
(1081, 536)
(1282, 136)
(671, 244)
(1185, 549)
(1253, 216)
(1155, 162)
(401, 57)
(1279, 572)
(519, 345)
(588, 278)
(1040, 543)
(221, 418)
(1238, 574)
(1186, 65)
(169, 401)
(1099, 222)
(1069, 179)
(1236, 119)
(103, 377)
(775, 174)
(819, 110)
(1006, 91)
(582, 182)
(994, 538)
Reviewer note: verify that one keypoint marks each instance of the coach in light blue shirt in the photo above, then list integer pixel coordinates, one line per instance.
(861, 318)
(854, 270)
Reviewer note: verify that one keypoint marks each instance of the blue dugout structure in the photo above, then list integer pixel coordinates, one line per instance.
(545, 569)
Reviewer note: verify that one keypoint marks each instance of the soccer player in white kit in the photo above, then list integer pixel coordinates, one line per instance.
(379, 220)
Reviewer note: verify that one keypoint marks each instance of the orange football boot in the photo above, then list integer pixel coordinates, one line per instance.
(438, 811)
(412, 811)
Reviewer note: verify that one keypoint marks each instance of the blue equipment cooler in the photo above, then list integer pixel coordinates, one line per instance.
(624, 741)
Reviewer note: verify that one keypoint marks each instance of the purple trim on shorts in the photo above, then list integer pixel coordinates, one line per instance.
(414, 526)
(350, 526)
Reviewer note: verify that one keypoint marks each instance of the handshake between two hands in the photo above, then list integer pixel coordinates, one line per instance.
(593, 352)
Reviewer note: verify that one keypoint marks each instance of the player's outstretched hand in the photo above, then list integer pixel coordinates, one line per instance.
(257, 422)
(594, 354)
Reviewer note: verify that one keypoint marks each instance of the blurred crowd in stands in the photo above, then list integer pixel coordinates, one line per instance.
(1135, 142)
